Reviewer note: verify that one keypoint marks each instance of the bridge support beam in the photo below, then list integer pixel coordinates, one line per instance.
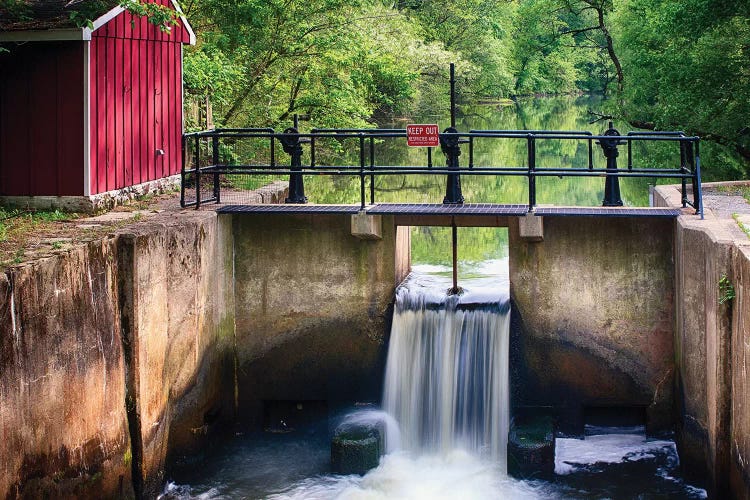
(530, 227)
(367, 227)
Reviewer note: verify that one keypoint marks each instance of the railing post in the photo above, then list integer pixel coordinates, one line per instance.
(685, 160)
(292, 145)
(697, 188)
(372, 170)
(197, 172)
(612, 196)
(362, 170)
(183, 150)
(531, 151)
(449, 143)
(215, 160)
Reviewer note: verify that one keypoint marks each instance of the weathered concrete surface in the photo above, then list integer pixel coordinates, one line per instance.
(63, 428)
(131, 336)
(313, 306)
(711, 349)
(592, 317)
(702, 336)
(177, 320)
(739, 431)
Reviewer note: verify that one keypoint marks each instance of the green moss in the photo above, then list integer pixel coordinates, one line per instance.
(127, 458)
(744, 228)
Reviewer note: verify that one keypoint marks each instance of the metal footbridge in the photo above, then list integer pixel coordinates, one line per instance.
(209, 171)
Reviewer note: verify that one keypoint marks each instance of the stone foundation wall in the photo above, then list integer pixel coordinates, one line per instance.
(177, 319)
(592, 321)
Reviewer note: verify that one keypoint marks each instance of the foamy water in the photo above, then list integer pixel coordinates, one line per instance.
(453, 475)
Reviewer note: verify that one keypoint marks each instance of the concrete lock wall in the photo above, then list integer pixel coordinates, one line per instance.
(711, 349)
(592, 321)
(313, 309)
(177, 320)
(112, 356)
(62, 414)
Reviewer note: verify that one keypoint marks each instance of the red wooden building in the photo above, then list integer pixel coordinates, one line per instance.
(90, 114)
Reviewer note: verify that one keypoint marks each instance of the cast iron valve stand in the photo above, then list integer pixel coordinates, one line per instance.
(292, 145)
(450, 145)
(612, 196)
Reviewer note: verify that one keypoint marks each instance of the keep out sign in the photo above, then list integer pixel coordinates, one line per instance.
(422, 135)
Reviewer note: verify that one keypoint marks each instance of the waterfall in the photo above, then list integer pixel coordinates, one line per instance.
(446, 381)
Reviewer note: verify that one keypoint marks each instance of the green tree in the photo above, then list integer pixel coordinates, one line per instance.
(688, 66)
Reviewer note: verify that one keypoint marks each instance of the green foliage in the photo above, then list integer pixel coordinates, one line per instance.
(349, 63)
(726, 290)
(160, 15)
(84, 13)
(745, 229)
(17, 10)
(687, 66)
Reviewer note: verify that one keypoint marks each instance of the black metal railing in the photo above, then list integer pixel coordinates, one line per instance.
(204, 165)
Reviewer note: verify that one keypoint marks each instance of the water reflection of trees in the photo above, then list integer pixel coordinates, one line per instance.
(432, 244)
(559, 113)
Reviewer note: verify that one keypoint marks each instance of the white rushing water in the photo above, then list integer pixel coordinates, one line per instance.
(446, 380)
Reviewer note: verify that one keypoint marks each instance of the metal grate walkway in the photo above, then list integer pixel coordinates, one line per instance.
(486, 209)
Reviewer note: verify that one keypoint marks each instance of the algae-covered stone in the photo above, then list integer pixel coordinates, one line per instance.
(356, 450)
(531, 448)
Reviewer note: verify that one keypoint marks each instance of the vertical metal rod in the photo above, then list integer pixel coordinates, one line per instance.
(689, 167)
(296, 121)
(183, 147)
(273, 149)
(362, 170)
(372, 170)
(215, 161)
(591, 154)
(429, 157)
(471, 152)
(453, 95)
(197, 172)
(455, 255)
(312, 149)
(698, 198)
(531, 164)
(630, 154)
(683, 170)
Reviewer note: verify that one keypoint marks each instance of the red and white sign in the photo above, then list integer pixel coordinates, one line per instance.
(422, 135)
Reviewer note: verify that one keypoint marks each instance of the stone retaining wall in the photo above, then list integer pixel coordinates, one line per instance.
(313, 309)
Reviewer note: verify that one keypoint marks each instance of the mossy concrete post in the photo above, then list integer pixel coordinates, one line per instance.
(357, 450)
(531, 448)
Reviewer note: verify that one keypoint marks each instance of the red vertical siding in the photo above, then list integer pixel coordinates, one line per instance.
(135, 96)
(138, 82)
(41, 119)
